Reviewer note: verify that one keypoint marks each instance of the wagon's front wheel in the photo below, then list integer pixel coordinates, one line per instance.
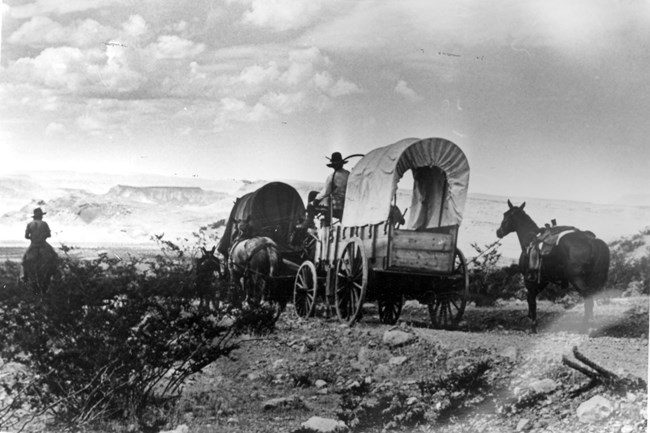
(304, 290)
(449, 299)
(390, 307)
(351, 282)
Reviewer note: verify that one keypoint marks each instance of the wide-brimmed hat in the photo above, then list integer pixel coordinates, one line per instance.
(39, 212)
(336, 159)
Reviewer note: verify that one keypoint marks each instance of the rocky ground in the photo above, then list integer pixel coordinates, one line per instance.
(491, 376)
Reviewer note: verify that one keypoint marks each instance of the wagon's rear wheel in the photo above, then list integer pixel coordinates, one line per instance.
(305, 288)
(390, 307)
(448, 302)
(351, 282)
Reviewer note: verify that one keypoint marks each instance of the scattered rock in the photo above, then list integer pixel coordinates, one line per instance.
(523, 424)
(397, 360)
(543, 386)
(317, 424)
(627, 429)
(183, 428)
(457, 362)
(510, 352)
(293, 401)
(320, 383)
(396, 338)
(594, 410)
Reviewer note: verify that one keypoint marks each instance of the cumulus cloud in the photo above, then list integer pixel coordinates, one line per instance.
(42, 32)
(45, 7)
(235, 110)
(55, 129)
(135, 26)
(402, 88)
(174, 47)
(282, 15)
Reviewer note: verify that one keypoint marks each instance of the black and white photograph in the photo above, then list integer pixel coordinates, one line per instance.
(324, 216)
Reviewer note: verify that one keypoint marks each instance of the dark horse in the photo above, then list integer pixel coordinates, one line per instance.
(40, 264)
(206, 267)
(579, 259)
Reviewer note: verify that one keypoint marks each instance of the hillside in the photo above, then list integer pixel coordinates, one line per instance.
(100, 209)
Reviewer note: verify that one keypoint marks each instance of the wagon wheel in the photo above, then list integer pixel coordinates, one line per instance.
(390, 307)
(304, 290)
(448, 302)
(351, 282)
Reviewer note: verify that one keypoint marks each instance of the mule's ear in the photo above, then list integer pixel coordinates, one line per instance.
(510, 204)
(522, 205)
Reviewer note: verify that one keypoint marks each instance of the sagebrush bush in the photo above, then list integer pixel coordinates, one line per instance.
(490, 281)
(111, 337)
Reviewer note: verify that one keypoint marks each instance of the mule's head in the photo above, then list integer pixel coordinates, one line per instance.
(208, 262)
(511, 219)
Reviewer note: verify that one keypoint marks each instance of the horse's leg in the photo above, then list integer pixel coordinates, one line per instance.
(589, 313)
(532, 290)
(582, 288)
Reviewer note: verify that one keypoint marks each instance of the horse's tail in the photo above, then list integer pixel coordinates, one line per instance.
(274, 258)
(599, 263)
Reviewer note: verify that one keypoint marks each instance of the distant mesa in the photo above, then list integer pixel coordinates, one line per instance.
(165, 194)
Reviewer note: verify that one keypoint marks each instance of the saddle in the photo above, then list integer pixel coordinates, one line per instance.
(542, 245)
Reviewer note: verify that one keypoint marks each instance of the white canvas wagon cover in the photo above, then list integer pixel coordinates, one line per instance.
(441, 178)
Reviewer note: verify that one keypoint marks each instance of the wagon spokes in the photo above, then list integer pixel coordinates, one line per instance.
(351, 281)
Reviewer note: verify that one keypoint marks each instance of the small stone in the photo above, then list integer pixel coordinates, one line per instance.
(317, 424)
(457, 362)
(411, 401)
(283, 402)
(183, 428)
(396, 338)
(510, 352)
(523, 424)
(543, 386)
(627, 429)
(320, 383)
(397, 360)
(594, 410)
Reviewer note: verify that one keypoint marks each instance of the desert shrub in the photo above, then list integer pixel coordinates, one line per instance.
(113, 338)
(627, 272)
(488, 281)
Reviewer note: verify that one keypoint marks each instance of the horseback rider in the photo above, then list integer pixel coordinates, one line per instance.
(37, 232)
(333, 193)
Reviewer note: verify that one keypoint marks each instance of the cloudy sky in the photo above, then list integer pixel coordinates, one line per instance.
(547, 98)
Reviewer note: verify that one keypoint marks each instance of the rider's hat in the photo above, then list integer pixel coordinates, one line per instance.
(336, 160)
(38, 212)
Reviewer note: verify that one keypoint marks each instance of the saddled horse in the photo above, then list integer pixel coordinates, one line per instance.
(208, 268)
(40, 264)
(579, 259)
(252, 263)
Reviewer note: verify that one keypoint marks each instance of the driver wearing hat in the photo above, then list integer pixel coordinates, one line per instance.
(334, 190)
(37, 231)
